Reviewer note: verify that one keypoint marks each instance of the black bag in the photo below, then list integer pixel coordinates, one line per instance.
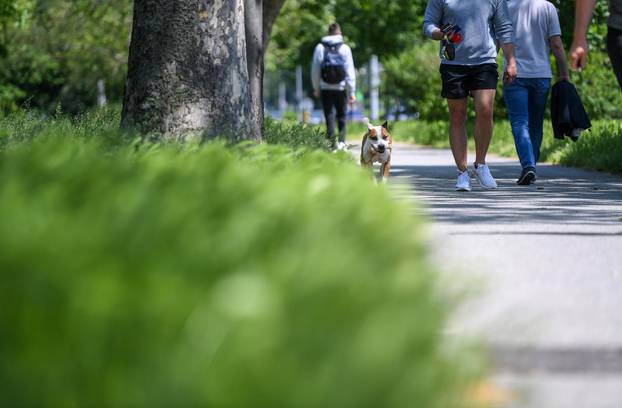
(333, 66)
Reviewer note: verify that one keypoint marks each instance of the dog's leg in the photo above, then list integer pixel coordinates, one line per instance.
(363, 149)
(386, 171)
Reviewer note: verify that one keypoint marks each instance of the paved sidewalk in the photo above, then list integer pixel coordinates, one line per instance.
(550, 260)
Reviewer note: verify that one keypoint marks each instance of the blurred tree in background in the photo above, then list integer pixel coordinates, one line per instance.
(411, 80)
(295, 35)
(55, 51)
(393, 31)
(598, 29)
(384, 28)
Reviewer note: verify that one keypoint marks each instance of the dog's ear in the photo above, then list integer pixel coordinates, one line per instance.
(385, 125)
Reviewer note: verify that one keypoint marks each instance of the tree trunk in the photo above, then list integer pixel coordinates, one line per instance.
(255, 57)
(260, 17)
(188, 72)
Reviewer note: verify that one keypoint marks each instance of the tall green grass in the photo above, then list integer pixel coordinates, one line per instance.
(137, 274)
(295, 135)
(599, 149)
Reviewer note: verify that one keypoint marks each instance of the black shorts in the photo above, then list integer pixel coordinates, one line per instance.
(460, 80)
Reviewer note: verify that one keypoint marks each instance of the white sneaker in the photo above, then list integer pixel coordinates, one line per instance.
(464, 181)
(342, 146)
(482, 174)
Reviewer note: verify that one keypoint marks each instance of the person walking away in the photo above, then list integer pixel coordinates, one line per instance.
(334, 81)
(579, 51)
(537, 32)
(468, 31)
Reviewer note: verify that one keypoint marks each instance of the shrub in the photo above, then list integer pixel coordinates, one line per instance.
(104, 124)
(163, 275)
(295, 134)
(598, 88)
(26, 125)
(412, 79)
(600, 149)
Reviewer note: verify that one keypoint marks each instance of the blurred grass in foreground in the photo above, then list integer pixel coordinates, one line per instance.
(600, 149)
(170, 275)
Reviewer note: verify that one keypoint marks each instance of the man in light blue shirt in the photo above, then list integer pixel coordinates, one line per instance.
(537, 32)
(469, 31)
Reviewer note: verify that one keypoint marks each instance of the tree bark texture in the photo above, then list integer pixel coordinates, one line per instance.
(255, 58)
(188, 71)
(260, 18)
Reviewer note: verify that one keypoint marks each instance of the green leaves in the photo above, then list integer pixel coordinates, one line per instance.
(412, 79)
(58, 50)
(598, 27)
(369, 26)
(384, 28)
(7, 9)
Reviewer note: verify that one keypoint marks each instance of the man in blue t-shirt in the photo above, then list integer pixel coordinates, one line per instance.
(469, 31)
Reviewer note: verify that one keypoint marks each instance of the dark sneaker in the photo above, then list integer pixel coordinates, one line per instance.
(527, 177)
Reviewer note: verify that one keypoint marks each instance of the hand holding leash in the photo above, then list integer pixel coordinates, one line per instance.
(453, 34)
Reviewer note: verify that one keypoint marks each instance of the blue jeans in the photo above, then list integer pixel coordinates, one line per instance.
(526, 101)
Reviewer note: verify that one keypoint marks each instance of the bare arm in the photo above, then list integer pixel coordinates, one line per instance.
(557, 46)
(432, 20)
(579, 50)
(510, 73)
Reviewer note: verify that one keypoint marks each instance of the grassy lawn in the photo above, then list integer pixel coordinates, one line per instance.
(600, 149)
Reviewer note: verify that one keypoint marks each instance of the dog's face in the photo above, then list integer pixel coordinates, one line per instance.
(378, 138)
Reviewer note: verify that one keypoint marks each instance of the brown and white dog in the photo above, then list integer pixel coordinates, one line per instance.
(376, 148)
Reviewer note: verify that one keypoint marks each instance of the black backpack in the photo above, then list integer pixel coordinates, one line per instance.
(333, 66)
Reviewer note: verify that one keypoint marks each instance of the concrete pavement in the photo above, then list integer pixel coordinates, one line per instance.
(545, 266)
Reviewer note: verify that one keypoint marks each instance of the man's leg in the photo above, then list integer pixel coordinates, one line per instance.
(329, 113)
(516, 97)
(538, 96)
(483, 100)
(340, 103)
(614, 45)
(457, 131)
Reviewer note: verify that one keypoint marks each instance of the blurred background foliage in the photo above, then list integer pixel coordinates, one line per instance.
(55, 51)
(393, 31)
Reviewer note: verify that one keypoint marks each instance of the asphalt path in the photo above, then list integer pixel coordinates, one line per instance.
(543, 268)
